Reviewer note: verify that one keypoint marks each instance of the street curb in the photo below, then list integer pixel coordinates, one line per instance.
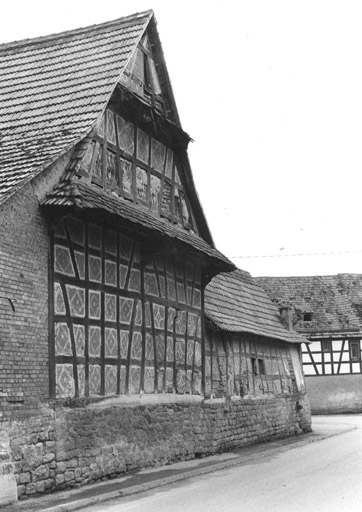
(135, 489)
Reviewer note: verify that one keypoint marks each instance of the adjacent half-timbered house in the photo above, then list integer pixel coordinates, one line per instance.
(104, 258)
(250, 352)
(327, 311)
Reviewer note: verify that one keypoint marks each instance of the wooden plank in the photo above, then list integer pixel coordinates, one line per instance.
(246, 365)
(252, 369)
(118, 319)
(71, 249)
(203, 334)
(143, 326)
(165, 334)
(130, 340)
(86, 318)
(130, 265)
(51, 320)
(153, 331)
(279, 372)
(72, 340)
(186, 336)
(103, 305)
(265, 374)
(312, 359)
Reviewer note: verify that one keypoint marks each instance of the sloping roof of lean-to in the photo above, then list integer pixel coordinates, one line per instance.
(54, 88)
(234, 302)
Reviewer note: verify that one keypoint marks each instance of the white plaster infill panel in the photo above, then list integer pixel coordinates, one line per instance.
(8, 489)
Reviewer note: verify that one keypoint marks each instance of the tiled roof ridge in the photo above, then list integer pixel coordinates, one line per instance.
(311, 276)
(131, 19)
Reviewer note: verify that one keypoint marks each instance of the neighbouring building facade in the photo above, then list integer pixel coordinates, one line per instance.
(327, 310)
(112, 354)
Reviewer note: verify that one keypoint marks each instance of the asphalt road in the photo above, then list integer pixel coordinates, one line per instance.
(316, 477)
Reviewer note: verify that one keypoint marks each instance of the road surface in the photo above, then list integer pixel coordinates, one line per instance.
(324, 476)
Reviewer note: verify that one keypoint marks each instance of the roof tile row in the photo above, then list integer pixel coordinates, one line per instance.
(234, 302)
(334, 301)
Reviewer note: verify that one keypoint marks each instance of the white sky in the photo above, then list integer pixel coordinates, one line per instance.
(271, 92)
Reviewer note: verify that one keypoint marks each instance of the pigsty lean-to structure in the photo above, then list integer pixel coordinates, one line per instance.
(107, 364)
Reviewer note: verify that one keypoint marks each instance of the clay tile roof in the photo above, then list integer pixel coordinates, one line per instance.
(234, 302)
(335, 301)
(54, 88)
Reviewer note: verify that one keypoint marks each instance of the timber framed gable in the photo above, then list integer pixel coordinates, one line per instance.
(139, 164)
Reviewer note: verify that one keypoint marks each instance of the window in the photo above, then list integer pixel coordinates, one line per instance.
(258, 366)
(326, 346)
(254, 365)
(307, 317)
(355, 350)
(261, 366)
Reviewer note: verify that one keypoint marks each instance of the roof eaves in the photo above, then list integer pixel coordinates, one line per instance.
(288, 337)
(45, 165)
(82, 195)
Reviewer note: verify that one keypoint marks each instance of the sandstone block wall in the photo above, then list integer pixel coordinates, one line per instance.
(74, 446)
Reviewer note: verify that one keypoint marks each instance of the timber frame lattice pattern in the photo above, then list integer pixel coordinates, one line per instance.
(123, 322)
(332, 356)
(238, 365)
(137, 167)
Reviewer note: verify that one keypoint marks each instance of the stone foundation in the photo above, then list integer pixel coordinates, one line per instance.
(72, 446)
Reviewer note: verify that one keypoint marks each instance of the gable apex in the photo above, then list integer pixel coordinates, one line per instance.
(146, 74)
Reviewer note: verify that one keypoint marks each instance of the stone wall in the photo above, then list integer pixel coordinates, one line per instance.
(76, 445)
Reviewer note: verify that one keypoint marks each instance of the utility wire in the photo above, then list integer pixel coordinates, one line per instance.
(283, 255)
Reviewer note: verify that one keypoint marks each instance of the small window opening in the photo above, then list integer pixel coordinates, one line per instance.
(254, 365)
(355, 350)
(261, 366)
(326, 346)
(258, 366)
(307, 317)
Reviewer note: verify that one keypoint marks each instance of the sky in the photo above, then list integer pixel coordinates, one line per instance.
(271, 93)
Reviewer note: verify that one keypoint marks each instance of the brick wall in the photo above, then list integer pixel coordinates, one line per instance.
(24, 333)
(24, 249)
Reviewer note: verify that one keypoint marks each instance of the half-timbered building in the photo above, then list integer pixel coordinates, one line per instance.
(326, 310)
(251, 352)
(104, 258)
